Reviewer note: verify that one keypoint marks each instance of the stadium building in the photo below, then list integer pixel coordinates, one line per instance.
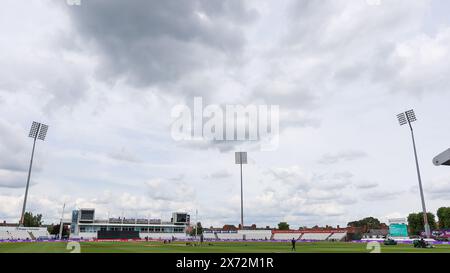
(14, 233)
(267, 234)
(84, 225)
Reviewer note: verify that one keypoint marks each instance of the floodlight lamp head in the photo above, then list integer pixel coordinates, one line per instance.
(402, 119)
(411, 116)
(34, 129)
(38, 130)
(43, 132)
(241, 157)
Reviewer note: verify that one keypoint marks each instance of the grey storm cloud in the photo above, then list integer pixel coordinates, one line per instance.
(154, 42)
(349, 51)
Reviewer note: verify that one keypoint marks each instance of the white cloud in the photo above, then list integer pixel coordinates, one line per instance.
(439, 188)
(220, 174)
(381, 195)
(367, 185)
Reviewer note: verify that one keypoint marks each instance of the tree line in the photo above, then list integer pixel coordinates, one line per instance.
(31, 220)
(415, 221)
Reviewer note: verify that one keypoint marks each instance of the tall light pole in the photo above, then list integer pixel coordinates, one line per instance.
(196, 224)
(404, 118)
(37, 131)
(241, 158)
(61, 224)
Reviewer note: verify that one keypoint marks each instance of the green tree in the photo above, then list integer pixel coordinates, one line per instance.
(30, 220)
(54, 230)
(416, 224)
(366, 223)
(444, 217)
(199, 228)
(283, 226)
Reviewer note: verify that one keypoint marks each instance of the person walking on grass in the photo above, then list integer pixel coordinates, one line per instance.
(293, 244)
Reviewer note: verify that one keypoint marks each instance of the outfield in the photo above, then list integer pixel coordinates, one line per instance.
(215, 247)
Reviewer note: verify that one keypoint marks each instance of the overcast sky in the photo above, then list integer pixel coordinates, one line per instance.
(105, 76)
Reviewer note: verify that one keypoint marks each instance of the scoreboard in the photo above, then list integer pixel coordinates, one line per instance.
(398, 230)
(180, 218)
(86, 215)
(398, 227)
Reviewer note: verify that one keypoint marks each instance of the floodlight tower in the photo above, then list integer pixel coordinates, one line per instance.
(409, 117)
(61, 223)
(37, 131)
(241, 158)
(196, 223)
